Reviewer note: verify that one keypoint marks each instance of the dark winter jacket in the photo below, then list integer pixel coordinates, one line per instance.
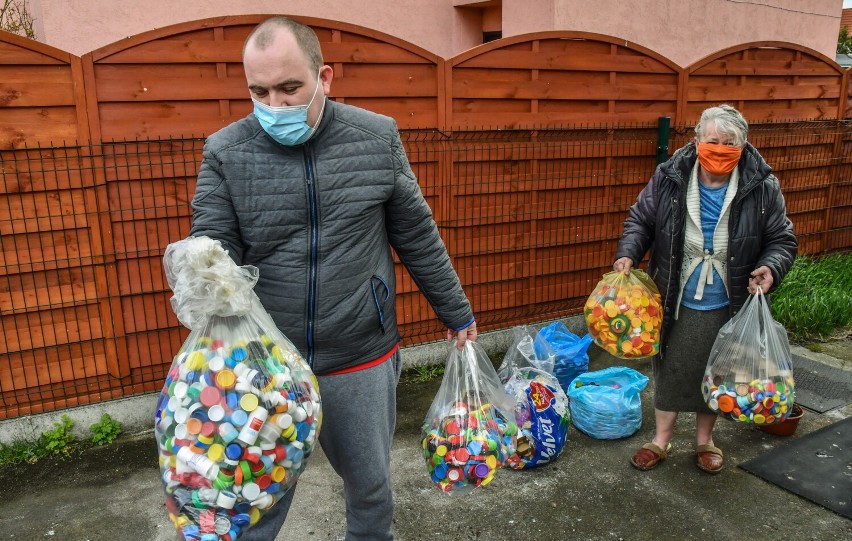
(760, 233)
(319, 220)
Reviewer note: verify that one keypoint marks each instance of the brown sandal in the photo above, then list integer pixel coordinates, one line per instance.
(709, 458)
(649, 455)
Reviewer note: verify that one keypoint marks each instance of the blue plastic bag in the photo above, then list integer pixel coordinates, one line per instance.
(572, 357)
(605, 404)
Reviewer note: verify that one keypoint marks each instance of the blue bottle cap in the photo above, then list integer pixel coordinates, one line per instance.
(233, 451)
(241, 519)
(233, 400)
(238, 417)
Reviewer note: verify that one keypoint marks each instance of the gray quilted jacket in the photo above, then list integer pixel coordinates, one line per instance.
(760, 233)
(319, 220)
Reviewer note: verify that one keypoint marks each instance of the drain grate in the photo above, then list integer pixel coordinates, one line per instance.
(821, 387)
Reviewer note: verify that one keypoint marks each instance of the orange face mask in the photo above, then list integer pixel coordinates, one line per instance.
(718, 160)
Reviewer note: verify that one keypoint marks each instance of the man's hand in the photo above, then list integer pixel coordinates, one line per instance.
(468, 333)
(760, 277)
(623, 264)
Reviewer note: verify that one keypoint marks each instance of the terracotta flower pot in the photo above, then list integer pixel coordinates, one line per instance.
(787, 427)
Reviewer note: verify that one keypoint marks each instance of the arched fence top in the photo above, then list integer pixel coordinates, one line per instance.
(560, 78)
(187, 79)
(767, 81)
(172, 31)
(830, 63)
(509, 42)
(15, 49)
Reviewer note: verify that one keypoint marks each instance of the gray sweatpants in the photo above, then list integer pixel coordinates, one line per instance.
(359, 418)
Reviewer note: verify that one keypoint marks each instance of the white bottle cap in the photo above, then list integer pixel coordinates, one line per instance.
(251, 491)
(283, 420)
(174, 403)
(299, 414)
(264, 501)
(226, 499)
(181, 431)
(181, 415)
(216, 364)
(216, 413)
(180, 389)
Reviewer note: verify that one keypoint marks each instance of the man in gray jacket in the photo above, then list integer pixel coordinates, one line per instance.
(315, 193)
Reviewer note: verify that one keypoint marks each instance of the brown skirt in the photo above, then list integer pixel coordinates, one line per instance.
(677, 378)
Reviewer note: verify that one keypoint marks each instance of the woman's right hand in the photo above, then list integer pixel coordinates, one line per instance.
(623, 264)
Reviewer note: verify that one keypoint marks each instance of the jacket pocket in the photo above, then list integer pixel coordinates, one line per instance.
(381, 293)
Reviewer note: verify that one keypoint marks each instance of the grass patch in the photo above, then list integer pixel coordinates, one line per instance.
(422, 373)
(814, 302)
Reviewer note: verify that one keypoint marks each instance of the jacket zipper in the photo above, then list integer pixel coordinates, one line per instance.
(312, 286)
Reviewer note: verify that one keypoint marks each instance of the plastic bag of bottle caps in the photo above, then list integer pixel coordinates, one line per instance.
(542, 417)
(468, 432)
(240, 410)
(624, 314)
(749, 375)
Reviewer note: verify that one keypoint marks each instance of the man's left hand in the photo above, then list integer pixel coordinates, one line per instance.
(468, 333)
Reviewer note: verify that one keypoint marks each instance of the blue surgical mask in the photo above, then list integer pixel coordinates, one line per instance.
(287, 125)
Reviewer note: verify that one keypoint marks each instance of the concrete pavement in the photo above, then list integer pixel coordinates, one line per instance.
(590, 493)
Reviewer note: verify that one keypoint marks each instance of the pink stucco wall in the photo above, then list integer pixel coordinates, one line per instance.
(684, 30)
(681, 30)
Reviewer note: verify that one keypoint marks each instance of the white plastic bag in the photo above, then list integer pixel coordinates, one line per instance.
(749, 375)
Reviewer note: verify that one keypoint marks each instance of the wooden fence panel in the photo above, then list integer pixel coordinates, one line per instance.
(187, 80)
(766, 81)
(536, 214)
(41, 100)
(559, 78)
(56, 318)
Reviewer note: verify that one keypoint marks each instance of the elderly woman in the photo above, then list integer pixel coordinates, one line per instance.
(715, 221)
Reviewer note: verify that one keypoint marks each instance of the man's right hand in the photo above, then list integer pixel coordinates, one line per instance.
(623, 264)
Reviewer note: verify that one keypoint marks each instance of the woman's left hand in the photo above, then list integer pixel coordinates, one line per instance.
(760, 277)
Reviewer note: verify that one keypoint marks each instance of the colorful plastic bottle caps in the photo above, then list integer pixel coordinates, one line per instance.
(759, 402)
(193, 426)
(216, 413)
(248, 402)
(210, 396)
(195, 360)
(207, 434)
(226, 379)
(624, 317)
(462, 451)
(238, 417)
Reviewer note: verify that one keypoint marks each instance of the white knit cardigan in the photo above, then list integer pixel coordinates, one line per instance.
(694, 254)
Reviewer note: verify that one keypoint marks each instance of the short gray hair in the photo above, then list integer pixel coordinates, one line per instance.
(728, 121)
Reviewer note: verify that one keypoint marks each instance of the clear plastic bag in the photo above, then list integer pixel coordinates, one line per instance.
(528, 349)
(469, 431)
(541, 415)
(749, 375)
(572, 357)
(606, 404)
(624, 314)
(240, 411)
